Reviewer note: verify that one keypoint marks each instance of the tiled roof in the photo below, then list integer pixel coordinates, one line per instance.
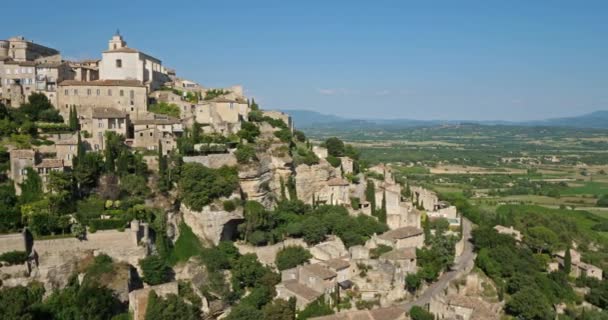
(157, 120)
(50, 163)
(400, 254)
(390, 313)
(21, 63)
(23, 153)
(105, 112)
(337, 264)
(337, 182)
(319, 270)
(401, 233)
(106, 83)
(301, 290)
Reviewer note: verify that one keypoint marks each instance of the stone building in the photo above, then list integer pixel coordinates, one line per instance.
(20, 49)
(45, 167)
(129, 96)
(85, 70)
(579, 267)
(389, 313)
(147, 133)
(338, 192)
(462, 307)
(49, 75)
(66, 150)
(221, 115)
(100, 120)
(426, 199)
(400, 238)
(279, 115)
(21, 159)
(306, 283)
(17, 80)
(510, 231)
(138, 299)
(120, 62)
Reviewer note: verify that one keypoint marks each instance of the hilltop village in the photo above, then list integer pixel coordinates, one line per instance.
(132, 193)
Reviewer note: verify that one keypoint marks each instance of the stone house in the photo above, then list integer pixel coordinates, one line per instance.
(45, 167)
(279, 115)
(17, 80)
(347, 165)
(462, 307)
(49, 75)
(85, 70)
(221, 115)
(101, 120)
(147, 133)
(66, 150)
(579, 268)
(21, 159)
(120, 62)
(403, 259)
(307, 283)
(129, 96)
(20, 49)
(426, 199)
(400, 238)
(389, 313)
(339, 193)
(341, 267)
(510, 231)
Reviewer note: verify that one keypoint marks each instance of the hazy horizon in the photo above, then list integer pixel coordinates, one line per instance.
(474, 60)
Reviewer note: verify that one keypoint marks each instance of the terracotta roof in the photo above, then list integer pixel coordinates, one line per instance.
(320, 271)
(163, 120)
(50, 163)
(390, 313)
(21, 63)
(401, 233)
(337, 182)
(123, 49)
(336, 264)
(23, 153)
(400, 254)
(301, 290)
(104, 112)
(106, 83)
(49, 64)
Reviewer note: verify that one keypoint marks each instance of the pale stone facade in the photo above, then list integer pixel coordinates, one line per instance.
(389, 313)
(221, 115)
(462, 307)
(306, 283)
(149, 132)
(20, 49)
(100, 120)
(400, 238)
(129, 96)
(20, 161)
(579, 267)
(120, 62)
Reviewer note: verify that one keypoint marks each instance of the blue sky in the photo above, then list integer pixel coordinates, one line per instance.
(486, 59)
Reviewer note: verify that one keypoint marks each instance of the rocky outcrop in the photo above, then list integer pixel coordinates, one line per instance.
(213, 223)
(312, 180)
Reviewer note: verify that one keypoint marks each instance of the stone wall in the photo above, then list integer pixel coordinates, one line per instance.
(138, 299)
(267, 254)
(13, 242)
(213, 160)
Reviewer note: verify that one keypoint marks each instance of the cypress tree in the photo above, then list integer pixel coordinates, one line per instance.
(382, 214)
(162, 163)
(283, 194)
(71, 118)
(567, 261)
(370, 195)
(76, 122)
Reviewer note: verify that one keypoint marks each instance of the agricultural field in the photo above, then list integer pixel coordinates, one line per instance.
(493, 165)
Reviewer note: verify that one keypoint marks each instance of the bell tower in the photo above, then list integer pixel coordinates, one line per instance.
(117, 42)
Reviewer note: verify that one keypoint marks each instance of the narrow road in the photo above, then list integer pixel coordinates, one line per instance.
(464, 262)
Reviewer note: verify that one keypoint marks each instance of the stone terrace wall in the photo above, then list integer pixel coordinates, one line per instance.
(268, 254)
(13, 242)
(213, 160)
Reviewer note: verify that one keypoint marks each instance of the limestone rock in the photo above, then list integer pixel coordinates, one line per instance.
(213, 223)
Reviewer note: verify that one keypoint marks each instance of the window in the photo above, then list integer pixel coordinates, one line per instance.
(66, 92)
(110, 92)
(122, 93)
(132, 95)
(98, 91)
(75, 92)
(88, 92)
(69, 156)
(141, 134)
(118, 63)
(8, 71)
(17, 71)
(150, 134)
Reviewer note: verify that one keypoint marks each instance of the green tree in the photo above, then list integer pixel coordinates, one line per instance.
(155, 270)
(31, 188)
(170, 307)
(280, 309)
(567, 261)
(418, 313)
(200, 185)
(412, 282)
(519, 305)
(335, 147)
(291, 256)
(541, 238)
(314, 230)
(370, 195)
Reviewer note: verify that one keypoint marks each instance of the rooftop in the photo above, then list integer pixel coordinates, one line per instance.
(105, 112)
(400, 254)
(50, 163)
(108, 83)
(336, 264)
(301, 290)
(337, 182)
(401, 233)
(23, 153)
(319, 270)
(390, 313)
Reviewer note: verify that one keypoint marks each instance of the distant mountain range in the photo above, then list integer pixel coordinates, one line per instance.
(313, 119)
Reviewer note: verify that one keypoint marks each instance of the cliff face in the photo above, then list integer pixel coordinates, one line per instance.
(312, 180)
(213, 223)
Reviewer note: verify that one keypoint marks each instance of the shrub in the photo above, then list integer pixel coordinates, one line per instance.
(244, 154)
(375, 253)
(165, 108)
(200, 185)
(155, 270)
(229, 205)
(107, 224)
(334, 161)
(284, 135)
(292, 256)
(418, 313)
(14, 257)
